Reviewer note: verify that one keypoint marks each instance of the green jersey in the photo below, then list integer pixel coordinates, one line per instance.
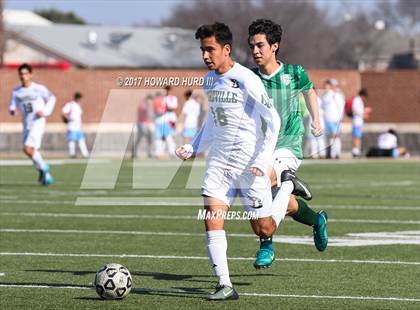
(285, 87)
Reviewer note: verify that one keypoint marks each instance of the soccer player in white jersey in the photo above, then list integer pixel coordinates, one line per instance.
(240, 148)
(72, 113)
(36, 103)
(333, 105)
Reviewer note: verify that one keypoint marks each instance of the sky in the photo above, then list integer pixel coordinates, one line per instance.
(130, 12)
(112, 12)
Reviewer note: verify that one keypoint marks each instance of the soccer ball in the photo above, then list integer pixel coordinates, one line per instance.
(113, 281)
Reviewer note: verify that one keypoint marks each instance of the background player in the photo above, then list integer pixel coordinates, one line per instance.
(333, 105)
(36, 103)
(189, 117)
(284, 84)
(239, 152)
(72, 113)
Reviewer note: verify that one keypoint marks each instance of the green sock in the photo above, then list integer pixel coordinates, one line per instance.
(304, 214)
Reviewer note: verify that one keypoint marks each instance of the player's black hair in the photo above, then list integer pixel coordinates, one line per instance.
(77, 95)
(168, 87)
(272, 31)
(392, 131)
(220, 31)
(363, 92)
(188, 94)
(25, 66)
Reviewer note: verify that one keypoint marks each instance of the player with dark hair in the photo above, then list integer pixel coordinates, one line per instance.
(239, 150)
(189, 117)
(36, 103)
(72, 112)
(285, 84)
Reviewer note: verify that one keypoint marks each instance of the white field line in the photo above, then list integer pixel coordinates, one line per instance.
(352, 239)
(175, 291)
(304, 260)
(55, 162)
(180, 202)
(186, 217)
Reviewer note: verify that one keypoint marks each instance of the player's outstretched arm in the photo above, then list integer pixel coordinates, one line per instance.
(50, 101)
(201, 143)
(311, 100)
(12, 104)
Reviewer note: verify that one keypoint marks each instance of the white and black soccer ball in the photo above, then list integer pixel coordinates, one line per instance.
(113, 281)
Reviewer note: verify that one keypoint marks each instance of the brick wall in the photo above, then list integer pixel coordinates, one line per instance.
(394, 95)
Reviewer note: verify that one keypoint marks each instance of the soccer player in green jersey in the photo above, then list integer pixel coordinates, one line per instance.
(285, 83)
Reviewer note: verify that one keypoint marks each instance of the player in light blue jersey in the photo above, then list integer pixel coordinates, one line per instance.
(35, 103)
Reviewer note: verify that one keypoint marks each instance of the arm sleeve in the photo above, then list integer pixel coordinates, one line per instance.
(203, 139)
(357, 106)
(49, 100)
(264, 109)
(12, 103)
(305, 83)
(66, 109)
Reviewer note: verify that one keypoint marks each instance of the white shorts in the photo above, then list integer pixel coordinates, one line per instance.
(284, 159)
(225, 185)
(33, 137)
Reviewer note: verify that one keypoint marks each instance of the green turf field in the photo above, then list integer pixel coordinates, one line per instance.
(52, 241)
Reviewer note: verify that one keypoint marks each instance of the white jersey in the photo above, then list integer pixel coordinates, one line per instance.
(191, 110)
(358, 109)
(333, 106)
(242, 125)
(387, 141)
(30, 100)
(171, 102)
(74, 112)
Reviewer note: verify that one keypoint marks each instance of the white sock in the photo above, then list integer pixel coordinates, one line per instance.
(171, 145)
(38, 161)
(159, 147)
(338, 146)
(281, 201)
(355, 151)
(216, 249)
(321, 146)
(83, 148)
(72, 148)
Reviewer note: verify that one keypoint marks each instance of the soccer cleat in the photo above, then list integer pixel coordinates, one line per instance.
(223, 292)
(41, 176)
(42, 173)
(301, 189)
(47, 179)
(265, 255)
(320, 231)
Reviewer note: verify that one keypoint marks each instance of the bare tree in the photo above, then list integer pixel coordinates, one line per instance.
(301, 43)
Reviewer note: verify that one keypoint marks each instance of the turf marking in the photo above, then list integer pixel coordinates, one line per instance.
(350, 239)
(186, 217)
(304, 260)
(177, 291)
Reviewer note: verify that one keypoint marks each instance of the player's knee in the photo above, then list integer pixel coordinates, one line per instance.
(27, 150)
